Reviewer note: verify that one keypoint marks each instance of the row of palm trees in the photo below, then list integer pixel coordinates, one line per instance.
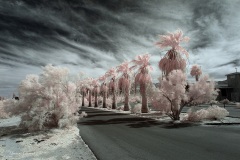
(119, 79)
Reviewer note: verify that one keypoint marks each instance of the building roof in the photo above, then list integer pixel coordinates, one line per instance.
(223, 86)
(221, 82)
(232, 73)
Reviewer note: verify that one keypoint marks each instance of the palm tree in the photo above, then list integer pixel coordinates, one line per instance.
(112, 85)
(143, 78)
(124, 82)
(172, 59)
(83, 91)
(196, 71)
(89, 89)
(103, 89)
(95, 91)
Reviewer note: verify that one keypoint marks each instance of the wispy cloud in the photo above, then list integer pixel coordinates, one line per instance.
(91, 36)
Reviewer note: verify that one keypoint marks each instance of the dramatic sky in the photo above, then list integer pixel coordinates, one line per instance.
(92, 35)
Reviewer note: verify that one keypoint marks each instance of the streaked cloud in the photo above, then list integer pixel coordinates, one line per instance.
(91, 36)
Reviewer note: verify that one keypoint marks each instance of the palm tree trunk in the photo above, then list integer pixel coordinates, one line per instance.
(82, 99)
(197, 77)
(96, 100)
(90, 98)
(126, 102)
(144, 98)
(104, 100)
(114, 105)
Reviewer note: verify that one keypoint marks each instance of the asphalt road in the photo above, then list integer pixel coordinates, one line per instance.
(115, 136)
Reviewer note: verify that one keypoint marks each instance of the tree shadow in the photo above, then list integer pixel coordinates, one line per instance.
(110, 114)
(12, 130)
(112, 121)
(130, 120)
(138, 122)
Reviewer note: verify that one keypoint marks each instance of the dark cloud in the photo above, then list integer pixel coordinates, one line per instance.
(235, 62)
(93, 35)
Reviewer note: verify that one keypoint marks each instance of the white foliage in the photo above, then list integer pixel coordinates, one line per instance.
(48, 100)
(214, 102)
(135, 99)
(215, 112)
(238, 105)
(120, 108)
(196, 115)
(3, 113)
(173, 95)
(83, 114)
(210, 113)
(136, 109)
(202, 91)
(9, 108)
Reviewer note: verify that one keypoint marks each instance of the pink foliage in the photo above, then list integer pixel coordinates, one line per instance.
(143, 78)
(173, 40)
(104, 88)
(111, 73)
(172, 61)
(143, 75)
(96, 90)
(124, 68)
(95, 84)
(124, 82)
(49, 100)
(196, 71)
(142, 60)
(202, 91)
(172, 91)
(102, 78)
(172, 95)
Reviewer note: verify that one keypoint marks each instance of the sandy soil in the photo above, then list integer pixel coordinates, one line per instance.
(54, 144)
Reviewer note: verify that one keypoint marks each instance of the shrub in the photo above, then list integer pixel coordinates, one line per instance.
(210, 113)
(215, 112)
(8, 108)
(48, 100)
(197, 115)
(136, 109)
(238, 105)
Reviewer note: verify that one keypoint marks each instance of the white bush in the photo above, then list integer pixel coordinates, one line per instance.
(210, 113)
(214, 102)
(83, 114)
(48, 100)
(9, 108)
(3, 113)
(120, 108)
(197, 115)
(215, 112)
(238, 105)
(135, 99)
(136, 109)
